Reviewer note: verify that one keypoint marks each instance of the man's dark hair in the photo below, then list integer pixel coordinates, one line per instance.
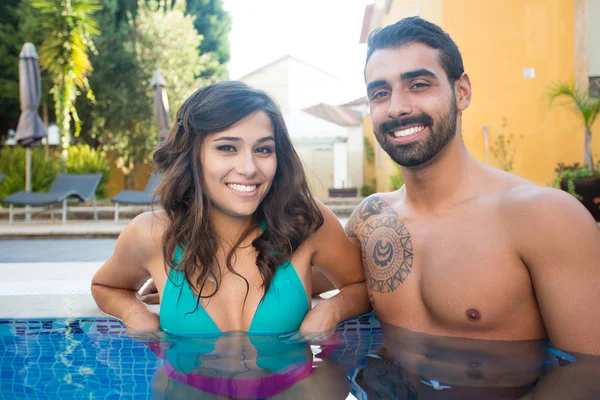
(417, 30)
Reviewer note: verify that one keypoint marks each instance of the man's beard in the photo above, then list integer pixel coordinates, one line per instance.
(423, 150)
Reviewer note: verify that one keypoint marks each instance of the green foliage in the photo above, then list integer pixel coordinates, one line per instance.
(369, 152)
(121, 121)
(19, 23)
(397, 180)
(367, 190)
(501, 149)
(167, 40)
(586, 107)
(569, 173)
(214, 24)
(12, 163)
(10, 45)
(82, 159)
(68, 27)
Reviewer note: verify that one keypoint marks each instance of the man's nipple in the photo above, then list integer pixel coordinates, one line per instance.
(473, 315)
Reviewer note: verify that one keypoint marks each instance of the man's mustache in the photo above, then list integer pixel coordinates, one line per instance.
(394, 124)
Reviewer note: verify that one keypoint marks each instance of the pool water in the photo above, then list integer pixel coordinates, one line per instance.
(99, 359)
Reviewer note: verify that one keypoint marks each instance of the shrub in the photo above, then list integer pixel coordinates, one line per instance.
(367, 190)
(83, 159)
(569, 173)
(12, 163)
(396, 181)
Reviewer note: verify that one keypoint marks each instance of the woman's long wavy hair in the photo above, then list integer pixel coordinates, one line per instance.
(289, 210)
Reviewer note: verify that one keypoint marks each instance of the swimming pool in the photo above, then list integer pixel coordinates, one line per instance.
(96, 358)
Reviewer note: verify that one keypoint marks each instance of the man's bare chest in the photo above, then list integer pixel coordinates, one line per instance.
(450, 271)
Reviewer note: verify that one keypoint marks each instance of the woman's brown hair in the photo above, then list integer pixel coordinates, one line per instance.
(289, 211)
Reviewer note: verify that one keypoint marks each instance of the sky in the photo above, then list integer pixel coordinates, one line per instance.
(323, 33)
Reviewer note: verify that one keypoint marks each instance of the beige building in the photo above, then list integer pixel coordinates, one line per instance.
(328, 138)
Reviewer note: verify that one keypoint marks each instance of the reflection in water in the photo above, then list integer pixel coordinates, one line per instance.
(97, 358)
(370, 361)
(411, 365)
(245, 367)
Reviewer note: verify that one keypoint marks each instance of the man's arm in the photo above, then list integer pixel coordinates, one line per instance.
(371, 206)
(559, 242)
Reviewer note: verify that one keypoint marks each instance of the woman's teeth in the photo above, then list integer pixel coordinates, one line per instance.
(408, 131)
(242, 188)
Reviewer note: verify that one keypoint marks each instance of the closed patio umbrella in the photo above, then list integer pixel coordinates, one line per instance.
(161, 105)
(30, 129)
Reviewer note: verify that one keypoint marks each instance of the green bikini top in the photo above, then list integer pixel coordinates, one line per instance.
(281, 310)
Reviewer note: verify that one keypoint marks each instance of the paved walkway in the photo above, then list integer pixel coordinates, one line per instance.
(73, 229)
(55, 229)
(46, 276)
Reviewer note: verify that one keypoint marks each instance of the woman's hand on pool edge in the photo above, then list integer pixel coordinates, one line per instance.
(142, 319)
(149, 293)
(319, 321)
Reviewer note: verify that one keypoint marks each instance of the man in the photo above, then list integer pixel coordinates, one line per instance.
(464, 249)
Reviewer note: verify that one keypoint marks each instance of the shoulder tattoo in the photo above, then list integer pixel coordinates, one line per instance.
(370, 207)
(385, 243)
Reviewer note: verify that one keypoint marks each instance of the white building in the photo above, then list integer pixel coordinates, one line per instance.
(328, 139)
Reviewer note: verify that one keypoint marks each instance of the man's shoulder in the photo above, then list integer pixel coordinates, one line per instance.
(374, 205)
(535, 207)
(526, 196)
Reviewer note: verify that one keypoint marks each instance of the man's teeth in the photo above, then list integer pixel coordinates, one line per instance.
(408, 131)
(242, 188)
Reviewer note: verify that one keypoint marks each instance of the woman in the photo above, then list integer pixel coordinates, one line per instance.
(233, 248)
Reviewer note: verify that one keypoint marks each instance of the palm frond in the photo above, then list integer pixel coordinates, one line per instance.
(585, 106)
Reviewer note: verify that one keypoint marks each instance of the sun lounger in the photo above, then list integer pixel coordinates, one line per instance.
(79, 186)
(136, 196)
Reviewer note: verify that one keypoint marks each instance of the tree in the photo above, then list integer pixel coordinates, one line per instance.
(19, 23)
(121, 120)
(68, 27)
(586, 107)
(214, 24)
(9, 66)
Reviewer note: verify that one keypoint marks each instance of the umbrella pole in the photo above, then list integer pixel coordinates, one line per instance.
(28, 180)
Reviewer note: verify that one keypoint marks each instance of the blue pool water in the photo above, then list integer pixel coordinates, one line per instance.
(99, 359)
(84, 358)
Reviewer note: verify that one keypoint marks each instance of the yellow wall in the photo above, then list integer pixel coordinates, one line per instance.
(116, 182)
(498, 39)
(382, 167)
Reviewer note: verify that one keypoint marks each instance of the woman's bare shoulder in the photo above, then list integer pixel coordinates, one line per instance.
(145, 232)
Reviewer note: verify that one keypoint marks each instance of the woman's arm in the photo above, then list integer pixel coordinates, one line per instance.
(115, 285)
(340, 262)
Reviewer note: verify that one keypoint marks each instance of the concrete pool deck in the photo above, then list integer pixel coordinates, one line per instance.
(48, 290)
(36, 284)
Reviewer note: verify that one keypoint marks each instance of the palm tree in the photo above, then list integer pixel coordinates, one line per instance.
(68, 27)
(587, 107)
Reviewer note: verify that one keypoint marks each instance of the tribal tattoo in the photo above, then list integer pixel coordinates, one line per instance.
(371, 206)
(386, 244)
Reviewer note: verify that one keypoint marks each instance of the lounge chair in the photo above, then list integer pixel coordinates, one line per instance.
(136, 196)
(65, 186)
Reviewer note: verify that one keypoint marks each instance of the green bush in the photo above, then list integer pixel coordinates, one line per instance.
(12, 163)
(570, 173)
(367, 190)
(397, 181)
(83, 159)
